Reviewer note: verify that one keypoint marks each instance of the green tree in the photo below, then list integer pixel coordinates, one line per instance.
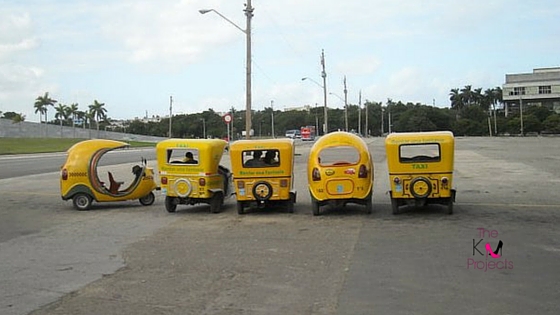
(552, 124)
(98, 112)
(61, 115)
(10, 115)
(41, 106)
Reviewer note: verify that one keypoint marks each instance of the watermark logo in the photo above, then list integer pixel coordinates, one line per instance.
(493, 258)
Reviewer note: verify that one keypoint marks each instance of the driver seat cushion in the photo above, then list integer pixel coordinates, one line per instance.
(113, 184)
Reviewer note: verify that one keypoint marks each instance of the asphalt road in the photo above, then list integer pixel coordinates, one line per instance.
(122, 258)
(33, 164)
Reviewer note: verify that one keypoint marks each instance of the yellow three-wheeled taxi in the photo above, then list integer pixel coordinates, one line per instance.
(421, 168)
(263, 173)
(190, 172)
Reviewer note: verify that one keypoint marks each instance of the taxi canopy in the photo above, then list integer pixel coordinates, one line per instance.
(83, 153)
(340, 139)
(206, 155)
(243, 150)
(409, 148)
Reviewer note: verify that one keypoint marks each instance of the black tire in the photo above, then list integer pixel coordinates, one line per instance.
(240, 207)
(395, 206)
(449, 209)
(170, 204)
(82, 202)
(420, 180)
(262, 191)
(369, 204)
(315, 206)
(148, 200)
(216, 202)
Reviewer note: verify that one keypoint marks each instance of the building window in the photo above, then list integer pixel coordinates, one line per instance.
(519, 91)
(545, 89)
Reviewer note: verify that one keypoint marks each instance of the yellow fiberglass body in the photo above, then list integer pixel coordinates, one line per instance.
(340, 171)
(190, 172)
(263, 173)
(80, 181)
(420, 168)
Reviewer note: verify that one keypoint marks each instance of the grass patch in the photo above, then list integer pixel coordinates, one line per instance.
(47, 145)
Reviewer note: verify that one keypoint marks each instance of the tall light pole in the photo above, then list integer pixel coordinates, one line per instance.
(360, 115)
(170, 113)
(382, 125)
(346, 106)
(203, 128)
(248, 96)
(272, 107)
(521, 113)
(325, 130)
(324, 75)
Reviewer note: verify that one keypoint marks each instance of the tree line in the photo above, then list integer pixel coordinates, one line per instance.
(472, 112)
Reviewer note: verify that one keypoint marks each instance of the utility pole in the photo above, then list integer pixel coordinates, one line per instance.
(324, 75)
(521, 113)
(360, 114)
(382, 124)
(272, 107)
(366, 113)
(170, 113)
(345, 105)
(248, 100)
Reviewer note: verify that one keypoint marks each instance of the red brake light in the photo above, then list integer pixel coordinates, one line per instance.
(362, 173)
(240, 184)
(444, 180)
(315, 174)
(397, 180)
(164, 180)
(64, 174)
(283, 183)
(202, 182)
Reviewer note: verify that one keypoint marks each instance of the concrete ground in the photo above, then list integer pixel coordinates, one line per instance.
(128, 259)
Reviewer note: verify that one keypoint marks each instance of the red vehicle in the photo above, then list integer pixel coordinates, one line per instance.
(308, 133)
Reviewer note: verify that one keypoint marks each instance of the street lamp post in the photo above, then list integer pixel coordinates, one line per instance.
(325, 127)
(203, 128)
(248, 96)
(272, 108)
(346, 105)
(382, 114)
(170, 113)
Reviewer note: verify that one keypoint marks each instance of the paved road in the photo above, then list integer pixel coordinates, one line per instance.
(33, 164)
(128, 259)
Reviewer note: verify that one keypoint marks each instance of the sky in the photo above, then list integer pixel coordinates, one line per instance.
(133, 55)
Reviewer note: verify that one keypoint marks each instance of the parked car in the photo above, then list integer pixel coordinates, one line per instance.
(293, 134)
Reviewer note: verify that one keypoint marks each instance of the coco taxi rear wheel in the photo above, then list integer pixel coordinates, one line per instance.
(82, 201)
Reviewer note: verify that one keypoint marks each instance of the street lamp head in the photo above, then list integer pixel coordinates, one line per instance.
(204, 11)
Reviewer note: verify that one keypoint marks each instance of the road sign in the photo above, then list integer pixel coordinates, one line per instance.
(227, 118)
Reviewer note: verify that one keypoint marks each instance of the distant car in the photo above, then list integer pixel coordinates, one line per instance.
(293, 134)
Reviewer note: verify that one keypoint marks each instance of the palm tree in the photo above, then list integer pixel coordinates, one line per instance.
(456, 101)
(41, 105)
(72, 112)
(98, 112)
(467, 95)
(61, 115)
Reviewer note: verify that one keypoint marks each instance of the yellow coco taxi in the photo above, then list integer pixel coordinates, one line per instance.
(421, 169)
(340, 171)
(190, 172)
(80, 180)
(263, 173)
